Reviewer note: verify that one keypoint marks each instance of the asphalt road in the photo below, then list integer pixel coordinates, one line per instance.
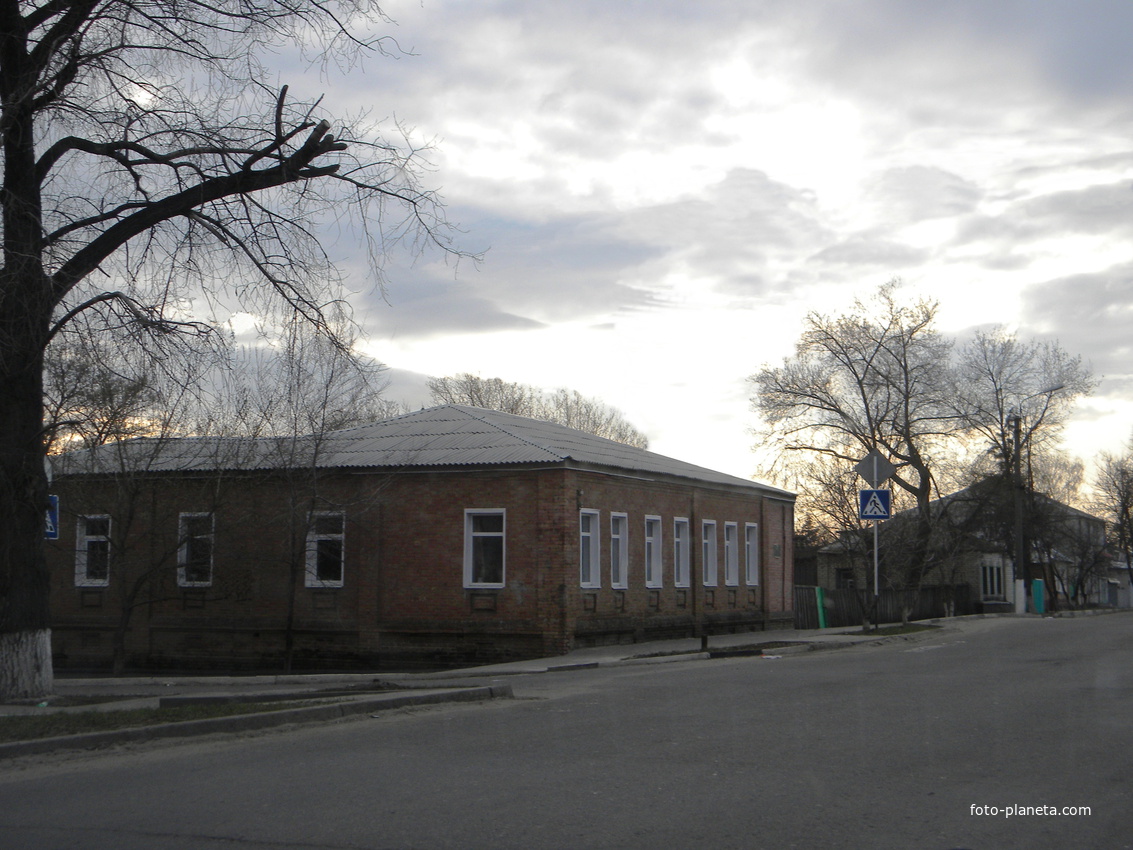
(875, 747)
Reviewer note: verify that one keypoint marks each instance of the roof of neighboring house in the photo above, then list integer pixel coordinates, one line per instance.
(980, 494)
(446, 436)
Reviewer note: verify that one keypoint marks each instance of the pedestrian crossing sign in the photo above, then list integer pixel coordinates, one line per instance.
(873, 504)
(51, 530)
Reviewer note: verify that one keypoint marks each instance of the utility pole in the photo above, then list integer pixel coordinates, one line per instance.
(1022, 567)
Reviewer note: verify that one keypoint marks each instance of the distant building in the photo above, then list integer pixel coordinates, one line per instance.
(973, 549)
(449, 536)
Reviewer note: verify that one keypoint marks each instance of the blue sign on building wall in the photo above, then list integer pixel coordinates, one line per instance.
(51, 530)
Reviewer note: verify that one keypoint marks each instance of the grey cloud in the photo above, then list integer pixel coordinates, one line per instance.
(1008, 239)
(918, 193)
(1091, 315)
(867, 251)
(1093, 209)
(565, 268)
(422, 307)
(742, 230)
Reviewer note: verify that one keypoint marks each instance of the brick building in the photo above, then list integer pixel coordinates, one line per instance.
(448, 536)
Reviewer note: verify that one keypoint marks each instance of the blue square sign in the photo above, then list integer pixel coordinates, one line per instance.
(51, 529)
(873, 504)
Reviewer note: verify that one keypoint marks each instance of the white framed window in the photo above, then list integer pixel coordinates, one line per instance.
(589, 549)
(194, 552)
(751, 553)
(710, 564)
(619, 551)
(653, 577)
(731, 555)
(92, 552)
(991, 583)
(484, 550)
(326, 548)
(682, 559)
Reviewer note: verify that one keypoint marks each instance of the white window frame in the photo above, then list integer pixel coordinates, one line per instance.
(470, 514)
(653, 560)
(619, 551)
(751, 554)
(82, 551)
(731, 555)
(589, 548)
(314, 537)
(710, 567)
(183, 547)
(682, 559)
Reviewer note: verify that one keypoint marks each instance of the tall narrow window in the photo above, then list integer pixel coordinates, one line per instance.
(992, 582)
(653, 576)
(484, 555)
(92, 552)
(681, 555)
(589, 546)
(731, 555)
(751, 553)
(194, 554)
(708, 540)
(619, 551)
(326, 539)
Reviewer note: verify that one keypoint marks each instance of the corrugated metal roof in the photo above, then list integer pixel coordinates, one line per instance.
(445, 436)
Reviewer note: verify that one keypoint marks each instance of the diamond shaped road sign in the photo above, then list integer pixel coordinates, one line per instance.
(874, 468)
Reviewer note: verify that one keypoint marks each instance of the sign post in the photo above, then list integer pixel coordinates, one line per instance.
(874, 504)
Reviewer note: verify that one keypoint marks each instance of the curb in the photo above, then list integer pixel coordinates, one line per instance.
(248, 722)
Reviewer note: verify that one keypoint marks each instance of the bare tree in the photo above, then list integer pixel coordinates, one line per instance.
(876, 377)
(302, 390)
(488, 393)
(147, 171)
(1113, 499)
(562, 406)
(1000, 378)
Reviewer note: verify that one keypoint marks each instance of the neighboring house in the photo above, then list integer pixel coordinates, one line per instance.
(972, 546)
(451, 535)
(1119, 583)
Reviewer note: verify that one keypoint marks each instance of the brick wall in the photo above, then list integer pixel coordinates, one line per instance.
(403, 601)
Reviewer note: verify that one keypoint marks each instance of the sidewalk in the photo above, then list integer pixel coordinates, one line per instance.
(356, 693)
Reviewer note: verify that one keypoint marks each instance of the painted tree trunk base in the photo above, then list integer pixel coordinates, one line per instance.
(25, 664)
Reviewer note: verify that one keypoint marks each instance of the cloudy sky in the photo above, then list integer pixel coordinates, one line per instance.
(664, 188)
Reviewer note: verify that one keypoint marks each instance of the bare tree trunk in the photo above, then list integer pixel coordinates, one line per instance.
(25, 664)
(25, 643)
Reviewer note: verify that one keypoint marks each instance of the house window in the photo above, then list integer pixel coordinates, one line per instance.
(708, 536)
(681, 556)
(844, 578)
(751, 553)
(326, 537)
(991, 582)
(653, 576)
(619, 551)
(589, 547)
(92, 552)
(484, 548)
(731, 555)
(194, 554)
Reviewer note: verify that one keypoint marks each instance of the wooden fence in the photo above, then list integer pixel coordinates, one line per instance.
(845, 607)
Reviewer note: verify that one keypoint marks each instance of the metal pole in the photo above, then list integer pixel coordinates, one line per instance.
(1021, 570)
(875, 559)
(875, 571)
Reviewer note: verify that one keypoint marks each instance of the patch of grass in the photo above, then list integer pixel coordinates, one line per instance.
(26, 727)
